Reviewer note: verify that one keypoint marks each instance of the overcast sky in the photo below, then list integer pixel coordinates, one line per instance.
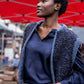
(80, 32)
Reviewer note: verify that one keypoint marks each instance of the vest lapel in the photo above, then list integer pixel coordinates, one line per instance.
(29, 32)
(21, 64)
(62, 54)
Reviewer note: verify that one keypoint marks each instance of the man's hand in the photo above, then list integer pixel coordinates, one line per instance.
(16, 75)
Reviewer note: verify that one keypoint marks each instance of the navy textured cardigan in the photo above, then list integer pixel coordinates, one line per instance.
(64, 49)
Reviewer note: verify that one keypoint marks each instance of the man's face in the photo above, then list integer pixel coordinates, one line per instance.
(45, 8)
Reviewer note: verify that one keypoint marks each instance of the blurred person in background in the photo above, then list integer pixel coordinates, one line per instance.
(50, 51)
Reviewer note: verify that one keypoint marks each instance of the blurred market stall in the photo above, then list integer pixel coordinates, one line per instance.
(10, 37)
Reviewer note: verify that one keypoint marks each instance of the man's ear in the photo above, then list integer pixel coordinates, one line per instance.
(57, 6)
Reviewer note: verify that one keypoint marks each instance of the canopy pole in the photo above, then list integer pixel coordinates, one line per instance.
(2, 47)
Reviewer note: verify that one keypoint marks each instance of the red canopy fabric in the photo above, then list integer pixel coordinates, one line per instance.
(24, 11)
(74, 14)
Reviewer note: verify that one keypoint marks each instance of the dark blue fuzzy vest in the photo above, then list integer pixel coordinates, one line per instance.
(64, 49)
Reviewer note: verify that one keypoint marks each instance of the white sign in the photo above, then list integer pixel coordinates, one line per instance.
(8, 52)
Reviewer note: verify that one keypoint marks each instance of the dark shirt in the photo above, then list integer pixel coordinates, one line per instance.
(37, 62)
(37, 59)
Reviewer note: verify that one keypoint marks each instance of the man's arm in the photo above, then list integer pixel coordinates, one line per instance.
(78, 71)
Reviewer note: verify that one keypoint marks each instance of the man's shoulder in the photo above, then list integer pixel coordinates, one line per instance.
(31, 24)
(70, 33)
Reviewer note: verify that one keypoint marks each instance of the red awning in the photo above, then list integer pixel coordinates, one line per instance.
(24, 11)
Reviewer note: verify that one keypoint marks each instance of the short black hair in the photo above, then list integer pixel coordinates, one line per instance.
(63, 8)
